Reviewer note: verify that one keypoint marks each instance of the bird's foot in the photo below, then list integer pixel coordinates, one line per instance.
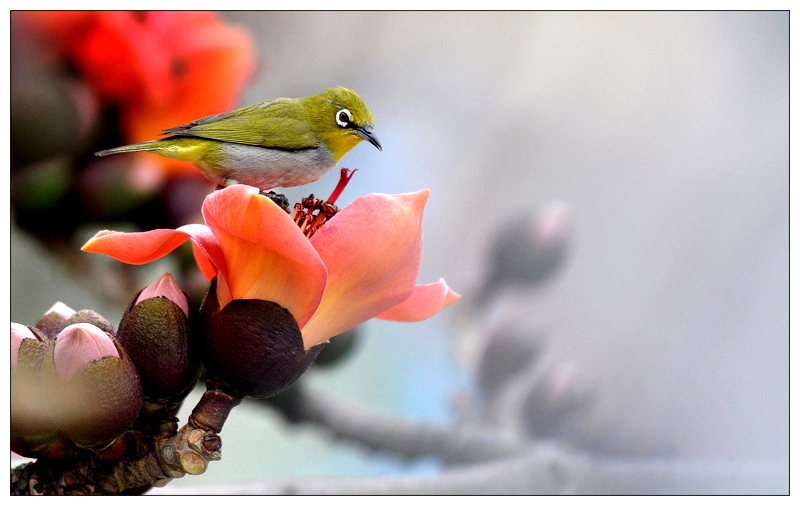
(278, 198)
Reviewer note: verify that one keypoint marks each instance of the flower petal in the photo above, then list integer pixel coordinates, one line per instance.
(60, 309)
(142, 247)
(372, 249)
(267, 256)
(424, 302)
(206, 250)
(135, 247)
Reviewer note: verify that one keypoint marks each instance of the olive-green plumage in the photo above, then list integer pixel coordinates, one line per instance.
(279, 143)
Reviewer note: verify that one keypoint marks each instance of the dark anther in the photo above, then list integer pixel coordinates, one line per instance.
(311, 203)
(315, 204)
(328, 209)
(307, 220)
(278, 198)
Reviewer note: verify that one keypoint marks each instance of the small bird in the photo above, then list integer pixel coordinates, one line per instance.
(279, 143)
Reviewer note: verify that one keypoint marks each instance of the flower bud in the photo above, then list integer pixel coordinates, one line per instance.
(165, 287)
(89, 316)
(254, 346)
(155, 332)
(29, 415)
(54, 320)
(556, 406)
(527, 251)
(505, 354)
(99, 393)
(78, 346)
(33, 432)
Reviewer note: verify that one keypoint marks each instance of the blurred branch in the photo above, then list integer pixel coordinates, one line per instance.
(495, 463)
(403, 437)
(544, 470)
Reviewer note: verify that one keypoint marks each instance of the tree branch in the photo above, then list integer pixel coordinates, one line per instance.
(544, 470)
(136, 461)
(403, 437)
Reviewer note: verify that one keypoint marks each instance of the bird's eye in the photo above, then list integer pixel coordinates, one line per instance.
(343, 117)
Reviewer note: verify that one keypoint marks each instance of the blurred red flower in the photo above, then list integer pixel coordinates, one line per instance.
(162, 69)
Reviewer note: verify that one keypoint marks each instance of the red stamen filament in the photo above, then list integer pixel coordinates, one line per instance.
(344, 178)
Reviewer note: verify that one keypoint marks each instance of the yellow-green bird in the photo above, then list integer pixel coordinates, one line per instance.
(280, 143)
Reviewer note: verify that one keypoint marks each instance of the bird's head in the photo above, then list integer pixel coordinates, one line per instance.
(341, 119)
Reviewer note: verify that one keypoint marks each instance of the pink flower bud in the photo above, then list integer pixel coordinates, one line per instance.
(99, 393)
(77, 346)
(18, 333)
(165, 286)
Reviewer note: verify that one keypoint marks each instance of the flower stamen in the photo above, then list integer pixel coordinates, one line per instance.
(304, 212)
(344, 178)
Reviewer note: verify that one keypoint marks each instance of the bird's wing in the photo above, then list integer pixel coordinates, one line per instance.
(275, 124)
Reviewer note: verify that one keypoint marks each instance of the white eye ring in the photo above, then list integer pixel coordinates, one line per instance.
(344, 118)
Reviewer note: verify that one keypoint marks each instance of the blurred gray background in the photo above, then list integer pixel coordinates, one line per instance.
(667, 136)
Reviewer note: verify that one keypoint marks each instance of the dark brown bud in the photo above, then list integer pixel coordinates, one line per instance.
(253, 346)
(54, 320)
(155, 331)
(89, 316)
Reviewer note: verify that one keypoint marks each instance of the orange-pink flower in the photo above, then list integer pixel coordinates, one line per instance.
(361, 264)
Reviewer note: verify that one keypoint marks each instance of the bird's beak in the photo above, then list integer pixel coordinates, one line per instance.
(368, 135)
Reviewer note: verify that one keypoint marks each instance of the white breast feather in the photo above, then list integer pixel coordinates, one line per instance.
(270, 168)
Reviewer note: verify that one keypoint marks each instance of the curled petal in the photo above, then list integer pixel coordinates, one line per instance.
(268, 257)
(142, 247)
(424, 302)
(372, 250)
(135, 247)
(206, 250)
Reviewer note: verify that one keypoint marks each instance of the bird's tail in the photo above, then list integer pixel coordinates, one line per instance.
(142, 146)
